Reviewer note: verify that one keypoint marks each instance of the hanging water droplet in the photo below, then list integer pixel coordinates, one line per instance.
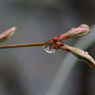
(49, 49)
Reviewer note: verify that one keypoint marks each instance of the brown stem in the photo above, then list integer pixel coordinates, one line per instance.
(23, 45)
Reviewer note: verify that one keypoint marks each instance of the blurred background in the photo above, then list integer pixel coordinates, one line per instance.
(31, 71)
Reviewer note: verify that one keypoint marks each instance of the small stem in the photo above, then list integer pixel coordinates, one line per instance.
(23, 45)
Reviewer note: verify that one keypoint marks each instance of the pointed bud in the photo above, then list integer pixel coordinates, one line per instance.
(79, 31)
(7, 34)
(80, 54)
(82, 30)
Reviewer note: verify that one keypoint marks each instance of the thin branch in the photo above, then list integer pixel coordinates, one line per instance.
(22, 45)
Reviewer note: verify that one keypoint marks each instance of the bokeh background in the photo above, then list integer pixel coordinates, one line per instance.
(31, 71)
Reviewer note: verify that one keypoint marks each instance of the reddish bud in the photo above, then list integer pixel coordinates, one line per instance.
(73, 33)
(80, 54)
(79, 31)
(7, 34)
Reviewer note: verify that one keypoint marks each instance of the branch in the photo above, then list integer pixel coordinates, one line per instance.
(73, 33)
(22, 45)
(56, 43)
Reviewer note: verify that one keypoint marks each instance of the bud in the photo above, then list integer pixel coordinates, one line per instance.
(83, 56)
(79, 31)
(80, 54)
(7, 34)
(82, 30)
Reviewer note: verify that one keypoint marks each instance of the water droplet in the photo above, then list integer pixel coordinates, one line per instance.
(49, 49)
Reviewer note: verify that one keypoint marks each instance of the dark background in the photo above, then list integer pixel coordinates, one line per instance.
(30, 71)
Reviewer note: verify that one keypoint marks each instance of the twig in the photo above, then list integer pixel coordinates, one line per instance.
(22, 45)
